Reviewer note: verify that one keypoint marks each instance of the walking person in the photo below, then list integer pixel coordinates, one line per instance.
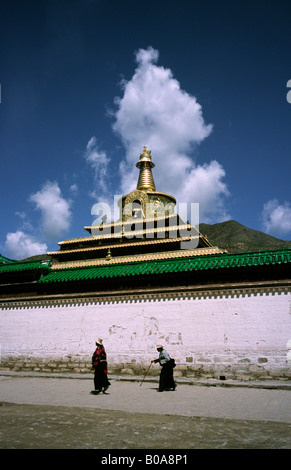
(166, 381)
(99, 366)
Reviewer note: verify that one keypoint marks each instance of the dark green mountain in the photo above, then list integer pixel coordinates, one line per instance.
(235, 237)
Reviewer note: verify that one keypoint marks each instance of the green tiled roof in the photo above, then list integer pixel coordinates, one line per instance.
(14, 266)
(4, 260)
(206, 262)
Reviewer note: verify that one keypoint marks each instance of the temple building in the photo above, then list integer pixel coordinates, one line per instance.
(148, 229)
(148, 277)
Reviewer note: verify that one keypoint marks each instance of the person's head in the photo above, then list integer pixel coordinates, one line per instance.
(99, 342)
(159, 347)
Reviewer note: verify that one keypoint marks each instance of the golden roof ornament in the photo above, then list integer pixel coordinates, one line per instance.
(145, 165)
(108, 256)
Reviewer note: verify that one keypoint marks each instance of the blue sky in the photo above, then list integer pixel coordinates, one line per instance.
(85, 84)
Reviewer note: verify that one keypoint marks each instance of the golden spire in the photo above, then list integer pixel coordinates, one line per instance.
(145, 165)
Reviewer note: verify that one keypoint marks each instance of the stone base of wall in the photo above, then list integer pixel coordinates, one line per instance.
(243, 371)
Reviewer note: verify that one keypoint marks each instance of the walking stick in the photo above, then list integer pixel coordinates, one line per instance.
(145, 374)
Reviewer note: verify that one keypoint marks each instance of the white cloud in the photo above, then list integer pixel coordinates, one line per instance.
(74, 189)
(19, 245)
(55, 211)
(99, 162)
(204, 185)
(55, 219)
(155, 111)
(26, 225)
(277, 217)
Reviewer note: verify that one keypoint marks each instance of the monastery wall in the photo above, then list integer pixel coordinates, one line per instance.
(236, 337)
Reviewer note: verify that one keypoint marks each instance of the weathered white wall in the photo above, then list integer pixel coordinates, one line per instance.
(241, 336)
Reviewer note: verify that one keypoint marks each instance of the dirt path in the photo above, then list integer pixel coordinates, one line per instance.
(58, 427)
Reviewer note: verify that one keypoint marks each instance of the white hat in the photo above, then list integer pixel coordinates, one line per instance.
(159, 346)
(99, 340)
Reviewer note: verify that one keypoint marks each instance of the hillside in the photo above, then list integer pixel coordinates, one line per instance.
(235, 237)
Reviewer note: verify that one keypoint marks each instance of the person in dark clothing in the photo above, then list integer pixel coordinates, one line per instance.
(166, 381)
(99, 366)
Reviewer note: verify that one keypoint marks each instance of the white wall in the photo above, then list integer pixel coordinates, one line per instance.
(208, 336)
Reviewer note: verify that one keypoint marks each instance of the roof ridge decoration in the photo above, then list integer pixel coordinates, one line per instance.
(125, 259)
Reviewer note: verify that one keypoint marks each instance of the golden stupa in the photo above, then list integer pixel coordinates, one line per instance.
(148, 228)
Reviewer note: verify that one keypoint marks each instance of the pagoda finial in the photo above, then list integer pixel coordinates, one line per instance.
(145, 165)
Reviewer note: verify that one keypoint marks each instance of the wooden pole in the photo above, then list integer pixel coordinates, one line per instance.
(145, 374)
